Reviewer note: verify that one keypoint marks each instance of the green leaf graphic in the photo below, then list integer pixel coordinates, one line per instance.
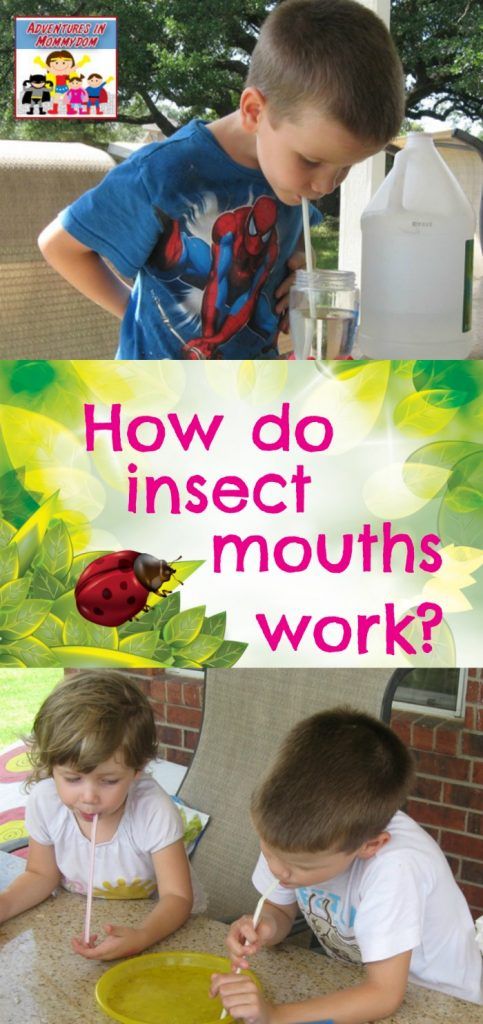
(33, 653)
(65, 605)
(229, 652)
(50, 631)
(55, 553)
(416, 413)
(444, 454)
(465, 499)
(165, 610)
(99, 657)
(23, 620)
(78, 632)
(144, 624)
(201, 649)
(215, 625)
(163, 653)
(45, 585)
(13, 594)
(179, 662)
(143, 644)
(460, 379)
(16, 504)
(7, 531)
(403, 368)
(156, 618)
(182, 629)
(8, 564)
(9, 660)
(30, 536)
(460, 519)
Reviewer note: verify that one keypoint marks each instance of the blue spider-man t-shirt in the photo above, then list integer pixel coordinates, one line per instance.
(206, 240)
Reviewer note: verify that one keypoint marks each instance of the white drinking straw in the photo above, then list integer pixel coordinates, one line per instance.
(307, 243)
(90, 886)
(256, 917)
(310, 269)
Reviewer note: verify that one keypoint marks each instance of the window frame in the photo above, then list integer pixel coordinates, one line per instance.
(430, 709)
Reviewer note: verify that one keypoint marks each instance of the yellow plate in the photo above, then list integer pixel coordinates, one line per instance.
(163, 988)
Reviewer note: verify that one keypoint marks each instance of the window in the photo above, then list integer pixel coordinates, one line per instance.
(194, 673)
(439, 691)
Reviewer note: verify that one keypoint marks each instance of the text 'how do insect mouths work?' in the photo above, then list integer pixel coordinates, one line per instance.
(275, 489)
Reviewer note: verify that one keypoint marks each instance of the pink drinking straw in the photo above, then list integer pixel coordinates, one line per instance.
(90, 886)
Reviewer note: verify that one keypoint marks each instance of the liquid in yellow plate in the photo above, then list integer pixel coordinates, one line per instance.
(163, 988)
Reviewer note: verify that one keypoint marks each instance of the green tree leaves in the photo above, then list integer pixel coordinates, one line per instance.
(196, 55)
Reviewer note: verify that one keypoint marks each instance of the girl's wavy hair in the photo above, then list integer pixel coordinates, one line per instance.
(87, 719)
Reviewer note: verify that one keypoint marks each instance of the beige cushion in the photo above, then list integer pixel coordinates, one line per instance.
(40, 314)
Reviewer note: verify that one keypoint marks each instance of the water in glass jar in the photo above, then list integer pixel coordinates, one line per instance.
(328, 335)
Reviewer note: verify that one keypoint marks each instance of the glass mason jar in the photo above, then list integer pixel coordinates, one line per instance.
(323, 310)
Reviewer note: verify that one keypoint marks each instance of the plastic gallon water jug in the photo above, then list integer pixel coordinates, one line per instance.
(417, 261)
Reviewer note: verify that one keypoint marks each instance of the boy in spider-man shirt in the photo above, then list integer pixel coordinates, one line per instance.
(209, 221)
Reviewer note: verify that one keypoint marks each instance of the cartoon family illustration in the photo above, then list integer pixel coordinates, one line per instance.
(64, 87)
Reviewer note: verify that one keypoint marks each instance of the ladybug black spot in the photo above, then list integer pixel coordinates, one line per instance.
(131, 600)
(124, 564)
(98, 611)
(106, 593)
(123, 585)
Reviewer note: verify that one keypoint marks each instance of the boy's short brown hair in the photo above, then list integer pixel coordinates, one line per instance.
(335, 57)
(336, 782)
(87, 718)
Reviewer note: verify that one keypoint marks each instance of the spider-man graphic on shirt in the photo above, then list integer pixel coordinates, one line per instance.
(244, 248)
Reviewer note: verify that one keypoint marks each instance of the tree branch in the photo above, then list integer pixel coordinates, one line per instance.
(156, 115)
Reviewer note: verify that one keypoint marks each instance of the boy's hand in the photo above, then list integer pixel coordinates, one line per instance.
(243, 940)
(296, 262)
(241, 998)
(119, 942)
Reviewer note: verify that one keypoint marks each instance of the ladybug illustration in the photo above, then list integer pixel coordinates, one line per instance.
(114, 587)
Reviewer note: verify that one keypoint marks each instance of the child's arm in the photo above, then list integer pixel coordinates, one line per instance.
(274, 925)
(38, 881)
(84, 269)
(171, 911)
(378, 996)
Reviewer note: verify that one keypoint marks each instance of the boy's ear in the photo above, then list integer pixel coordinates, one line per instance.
(252, 105)
(372, 846)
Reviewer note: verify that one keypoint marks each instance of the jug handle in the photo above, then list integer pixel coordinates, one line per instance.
(396, 191)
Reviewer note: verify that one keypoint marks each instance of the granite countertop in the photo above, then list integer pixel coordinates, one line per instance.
(43, 982)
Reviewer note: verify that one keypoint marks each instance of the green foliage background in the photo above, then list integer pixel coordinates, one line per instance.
(185, 58)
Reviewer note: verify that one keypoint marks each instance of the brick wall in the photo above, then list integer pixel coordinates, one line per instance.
(177, 703)
(448, 796)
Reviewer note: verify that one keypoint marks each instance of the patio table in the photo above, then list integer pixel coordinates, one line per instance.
(43, 982)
